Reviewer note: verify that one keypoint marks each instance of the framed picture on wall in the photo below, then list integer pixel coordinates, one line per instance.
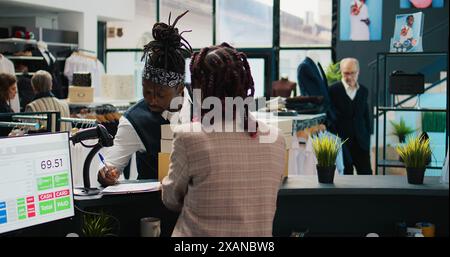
(408, 33)
(421, 4)
(360, 20)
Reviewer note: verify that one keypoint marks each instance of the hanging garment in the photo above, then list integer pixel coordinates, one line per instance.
(7, 66)
(308, 167)
(26, 93)
(51, 66)
(294, 155)
(83, 63)
(444, 176)
(5, 108)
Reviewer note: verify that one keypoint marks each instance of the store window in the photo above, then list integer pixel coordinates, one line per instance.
(257, 68)
(244, 23)
(305, 23)
(199, 19)
(291, 59)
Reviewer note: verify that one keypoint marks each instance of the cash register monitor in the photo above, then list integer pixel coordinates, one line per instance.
(35, 180)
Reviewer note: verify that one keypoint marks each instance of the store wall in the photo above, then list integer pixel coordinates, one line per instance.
(366, 51)
(435, 39)
(115, 9)
(136, 33)
(81, 16)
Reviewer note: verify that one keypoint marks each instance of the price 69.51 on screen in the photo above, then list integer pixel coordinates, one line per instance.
(52, 164)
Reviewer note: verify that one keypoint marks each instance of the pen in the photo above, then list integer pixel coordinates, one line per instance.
(102, 159)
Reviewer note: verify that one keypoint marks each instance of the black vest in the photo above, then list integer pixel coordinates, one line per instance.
(148, 127)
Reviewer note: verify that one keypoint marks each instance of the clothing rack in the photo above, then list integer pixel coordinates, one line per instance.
(29, 117)
(76, 49)
(78, 120)
(84, 122)
(303, 124)
(48, 118)
(74, 120)
(19, 124)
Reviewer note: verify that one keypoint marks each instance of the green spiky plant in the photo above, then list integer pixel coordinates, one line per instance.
(333, 73)
(326, 149)
(416, 153)
(100, 225)
(401, 130)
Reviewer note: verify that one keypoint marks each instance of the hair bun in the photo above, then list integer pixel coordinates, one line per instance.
(169, 48)
(166, 34)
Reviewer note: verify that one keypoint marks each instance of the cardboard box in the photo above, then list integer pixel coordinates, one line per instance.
(118, 87)
(286, 167)
(284, 125)
(166, 146)
(81, 94)
(163, 165)
(288, 140)
(166, 132)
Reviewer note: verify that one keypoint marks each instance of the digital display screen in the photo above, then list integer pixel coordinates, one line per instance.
(35, 180)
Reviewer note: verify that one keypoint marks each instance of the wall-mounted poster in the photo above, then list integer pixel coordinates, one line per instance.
(421, 4)
(408, 33)
(360, 20)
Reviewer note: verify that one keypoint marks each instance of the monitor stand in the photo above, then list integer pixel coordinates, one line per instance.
(86, 191)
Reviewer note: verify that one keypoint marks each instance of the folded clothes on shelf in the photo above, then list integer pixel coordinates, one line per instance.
(306, 104)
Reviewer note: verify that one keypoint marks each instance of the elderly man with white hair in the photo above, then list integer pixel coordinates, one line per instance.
(349, 100)
(44, 100)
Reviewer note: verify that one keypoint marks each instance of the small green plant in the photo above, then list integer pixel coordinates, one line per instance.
(401, 130)
(98, 225)
(416, 153)
(326, 149)
(333, 73)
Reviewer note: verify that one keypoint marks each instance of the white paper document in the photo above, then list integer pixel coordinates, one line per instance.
(128, 188)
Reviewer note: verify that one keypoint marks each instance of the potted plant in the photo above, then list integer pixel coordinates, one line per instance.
(333, 73)
(98, 225)
(415, 154)
(401, 130)
(326, 148)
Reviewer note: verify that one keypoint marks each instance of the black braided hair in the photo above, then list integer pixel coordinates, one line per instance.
(222, 71)
(169, 49)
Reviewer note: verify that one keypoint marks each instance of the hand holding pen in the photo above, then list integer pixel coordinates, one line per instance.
(108, 175)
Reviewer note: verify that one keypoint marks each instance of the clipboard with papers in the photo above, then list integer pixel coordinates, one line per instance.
(131, 188)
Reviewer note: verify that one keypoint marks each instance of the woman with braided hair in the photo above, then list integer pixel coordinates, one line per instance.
(139, 129)
(224, 183)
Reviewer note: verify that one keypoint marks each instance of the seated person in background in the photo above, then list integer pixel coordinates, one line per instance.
(224, 183)
(8, 89)
(284, 87)
(139, 129)
(44, 100)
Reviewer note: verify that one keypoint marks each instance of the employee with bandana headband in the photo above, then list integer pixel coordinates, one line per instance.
(139, 130)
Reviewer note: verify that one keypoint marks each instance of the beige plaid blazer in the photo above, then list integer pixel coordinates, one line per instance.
(51, 104)
(224, 184)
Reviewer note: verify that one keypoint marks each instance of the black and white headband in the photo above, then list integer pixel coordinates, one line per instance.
(162, 76)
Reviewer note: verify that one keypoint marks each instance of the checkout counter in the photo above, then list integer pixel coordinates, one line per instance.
(352, 206)
(358, 205)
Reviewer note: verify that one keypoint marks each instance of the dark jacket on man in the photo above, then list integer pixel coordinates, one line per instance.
(148, 127)
(352, 116)
(4, 108)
